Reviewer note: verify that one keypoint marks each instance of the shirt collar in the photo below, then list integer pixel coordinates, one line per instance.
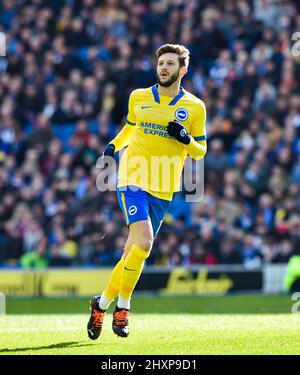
(173, 101)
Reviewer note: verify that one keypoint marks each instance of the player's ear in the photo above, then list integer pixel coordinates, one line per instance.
(183, 71)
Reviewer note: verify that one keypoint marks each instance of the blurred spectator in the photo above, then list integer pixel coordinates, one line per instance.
(36, 258)
(251, 255)
(63, 251)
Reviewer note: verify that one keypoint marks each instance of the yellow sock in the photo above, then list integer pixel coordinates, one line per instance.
(113, 286)
(132, 269)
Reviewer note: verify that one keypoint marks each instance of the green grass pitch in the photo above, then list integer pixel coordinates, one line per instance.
(237, 324)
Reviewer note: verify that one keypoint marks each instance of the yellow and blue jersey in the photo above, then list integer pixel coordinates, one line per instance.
(153, 160)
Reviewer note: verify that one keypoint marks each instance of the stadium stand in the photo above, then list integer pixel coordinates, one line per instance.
(65, 82)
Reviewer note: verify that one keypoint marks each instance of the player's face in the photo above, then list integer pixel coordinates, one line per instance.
(168, 70)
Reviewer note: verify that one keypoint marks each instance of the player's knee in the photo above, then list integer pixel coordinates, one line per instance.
(142, 235)
(145, 243)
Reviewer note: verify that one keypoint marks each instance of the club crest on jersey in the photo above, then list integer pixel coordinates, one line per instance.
(181, 114)
(132, 210)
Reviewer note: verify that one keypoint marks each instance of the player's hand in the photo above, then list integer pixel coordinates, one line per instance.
(109, 150)
(177, 130)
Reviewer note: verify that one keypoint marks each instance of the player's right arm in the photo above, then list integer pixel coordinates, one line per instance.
(123, 138)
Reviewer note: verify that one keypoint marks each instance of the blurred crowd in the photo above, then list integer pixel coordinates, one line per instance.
(69, 68)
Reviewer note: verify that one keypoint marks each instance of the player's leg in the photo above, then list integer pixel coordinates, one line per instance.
(143, 220)
(136, 236)
(99, 304)
(141, 233)
(112, 289)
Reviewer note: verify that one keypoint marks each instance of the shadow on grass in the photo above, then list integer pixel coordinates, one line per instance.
(62, 345)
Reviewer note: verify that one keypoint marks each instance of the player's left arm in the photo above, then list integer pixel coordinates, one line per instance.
(197, 147)
(195, 142)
